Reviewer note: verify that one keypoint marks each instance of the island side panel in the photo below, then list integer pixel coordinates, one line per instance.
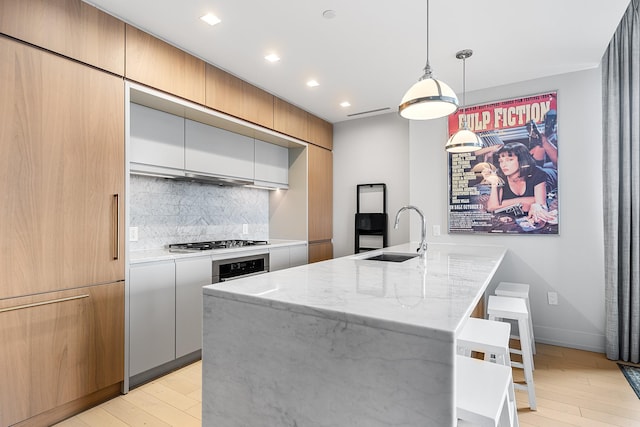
(273, 367)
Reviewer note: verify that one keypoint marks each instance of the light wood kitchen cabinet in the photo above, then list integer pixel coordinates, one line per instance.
(320, 203)
(155, 63)
(61, 173)
(320, 132)
(320, 251)
(59, 348)
(191, 275)
(214, 151)
(231, 95)
(290, 120)
(69, 27)
(152, 309)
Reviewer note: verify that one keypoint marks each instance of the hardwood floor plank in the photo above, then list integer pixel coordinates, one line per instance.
(131, 414)
(615, 419)
(165, 412)
(98, 417)
(166, 394)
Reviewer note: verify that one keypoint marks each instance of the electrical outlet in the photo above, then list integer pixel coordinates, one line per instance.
(552, 297)
(133, 234)
(436, 230)
(245, 228)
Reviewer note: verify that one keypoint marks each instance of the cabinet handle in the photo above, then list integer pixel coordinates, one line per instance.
(36, 304)
(116, 226)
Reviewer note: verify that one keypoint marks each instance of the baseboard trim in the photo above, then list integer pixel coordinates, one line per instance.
(158, 371)
(72, 408)
(570, 338)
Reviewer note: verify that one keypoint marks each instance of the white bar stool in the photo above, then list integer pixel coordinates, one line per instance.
(518, 290)
(485, 336)
(500, 307)
(484, 394)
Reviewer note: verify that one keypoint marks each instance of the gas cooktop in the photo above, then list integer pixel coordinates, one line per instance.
(215, 244)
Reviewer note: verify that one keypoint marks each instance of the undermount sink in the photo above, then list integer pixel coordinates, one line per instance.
(391, 257)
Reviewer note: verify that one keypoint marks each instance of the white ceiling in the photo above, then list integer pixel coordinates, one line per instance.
(372, 51)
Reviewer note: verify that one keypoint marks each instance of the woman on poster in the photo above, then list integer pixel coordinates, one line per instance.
(524, 183)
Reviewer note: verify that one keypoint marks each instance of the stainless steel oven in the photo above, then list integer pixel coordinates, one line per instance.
(235, 268)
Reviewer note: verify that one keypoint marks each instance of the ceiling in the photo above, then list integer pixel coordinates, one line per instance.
(372, 51)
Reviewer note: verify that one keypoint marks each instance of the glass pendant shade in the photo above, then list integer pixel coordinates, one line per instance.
(428, 99)
(463, 141)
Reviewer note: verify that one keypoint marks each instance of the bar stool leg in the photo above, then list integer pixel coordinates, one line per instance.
(527, 361)
(532, 339)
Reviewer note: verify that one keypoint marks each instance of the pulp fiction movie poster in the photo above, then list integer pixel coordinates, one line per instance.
(510, 186)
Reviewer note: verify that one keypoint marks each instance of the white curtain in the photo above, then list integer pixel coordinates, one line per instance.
(621, 176)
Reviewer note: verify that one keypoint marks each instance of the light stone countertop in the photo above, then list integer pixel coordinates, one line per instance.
(154, 255)
(427, 297)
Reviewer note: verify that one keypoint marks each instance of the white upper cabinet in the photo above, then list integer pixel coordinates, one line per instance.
(213, 151)
(157, 141)
(271, 165)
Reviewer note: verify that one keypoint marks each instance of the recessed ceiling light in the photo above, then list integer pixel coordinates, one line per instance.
(312, 83)
(345, 104)
(211, 19)
(272, 57)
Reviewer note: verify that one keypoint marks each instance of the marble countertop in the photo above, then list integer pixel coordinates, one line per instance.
(423, 296)
(153, 255)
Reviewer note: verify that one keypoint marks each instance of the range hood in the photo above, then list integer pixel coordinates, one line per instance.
(183, 175)
(214, 179)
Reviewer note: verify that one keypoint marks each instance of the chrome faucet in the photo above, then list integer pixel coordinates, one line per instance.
(423, 242)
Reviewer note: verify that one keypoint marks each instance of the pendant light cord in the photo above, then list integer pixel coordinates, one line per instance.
(428, 34)
(464, 91)
(427, 68)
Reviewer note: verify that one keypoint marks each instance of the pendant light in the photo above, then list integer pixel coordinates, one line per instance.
(428, 98)
(464, 140)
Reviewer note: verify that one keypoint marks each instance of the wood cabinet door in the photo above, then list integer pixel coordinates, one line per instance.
(320, 251)
(58, 347)
(320, 132)
(69, 27)
(290, 120)
(231, 95)
(320, 194)
(61, 173)
(152, 62)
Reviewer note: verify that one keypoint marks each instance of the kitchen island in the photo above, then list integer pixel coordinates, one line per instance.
(344, 342)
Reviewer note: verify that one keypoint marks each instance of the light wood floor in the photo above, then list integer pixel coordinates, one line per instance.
(573, 388)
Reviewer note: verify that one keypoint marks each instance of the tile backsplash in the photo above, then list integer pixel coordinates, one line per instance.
(167, 211)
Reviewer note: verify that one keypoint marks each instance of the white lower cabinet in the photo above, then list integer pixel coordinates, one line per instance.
(298, 255)
(287, 256)
(191, 275)
(152, 330)
(165, 306)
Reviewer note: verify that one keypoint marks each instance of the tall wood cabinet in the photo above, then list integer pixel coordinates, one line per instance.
(61, 173)
(61, 208)
(320, 203)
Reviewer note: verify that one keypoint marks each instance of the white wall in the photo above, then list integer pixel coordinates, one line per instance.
(571, 263)
(369, 150)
